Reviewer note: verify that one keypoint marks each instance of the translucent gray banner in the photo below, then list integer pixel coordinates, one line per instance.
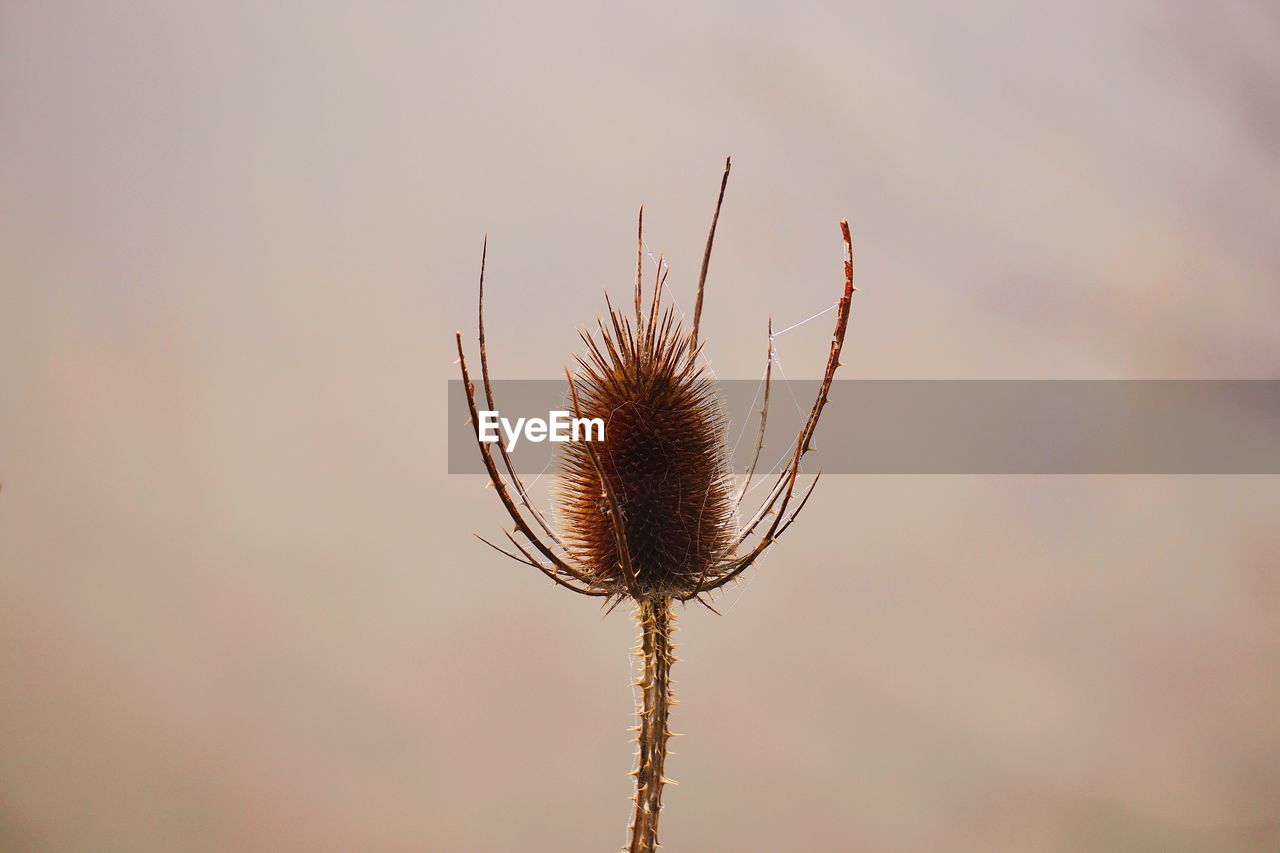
(957, 426)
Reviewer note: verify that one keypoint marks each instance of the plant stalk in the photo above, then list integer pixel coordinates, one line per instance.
(656, 650)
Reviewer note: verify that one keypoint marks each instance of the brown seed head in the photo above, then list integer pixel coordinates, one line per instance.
(649, 511)
(662, 458)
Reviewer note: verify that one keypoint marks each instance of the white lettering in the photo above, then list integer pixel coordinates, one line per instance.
(488, 427)
(512, 432)
(560, 427)
(559, 422)
(587, 424)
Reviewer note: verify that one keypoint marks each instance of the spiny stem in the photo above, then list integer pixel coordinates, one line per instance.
(657, 652)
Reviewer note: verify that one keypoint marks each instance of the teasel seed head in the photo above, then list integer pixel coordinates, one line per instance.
(663, 459)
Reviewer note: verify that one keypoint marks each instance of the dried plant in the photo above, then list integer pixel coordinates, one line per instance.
(650, 514)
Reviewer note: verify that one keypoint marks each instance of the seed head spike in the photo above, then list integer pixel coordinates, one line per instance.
(706, 255)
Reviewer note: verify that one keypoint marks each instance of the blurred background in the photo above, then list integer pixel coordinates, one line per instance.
(240, 608)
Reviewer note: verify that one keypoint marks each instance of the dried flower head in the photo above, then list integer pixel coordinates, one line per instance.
(650, 513)
(662, 458)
